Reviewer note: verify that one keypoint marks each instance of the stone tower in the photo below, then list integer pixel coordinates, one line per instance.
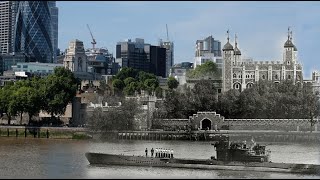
(75, 58)
(290, 60)
(227, 56)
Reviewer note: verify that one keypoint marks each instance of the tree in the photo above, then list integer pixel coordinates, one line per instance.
(131, 88)
(172, 83)
(151, 85)
(117, 118)
(125, 73)
(158, 92)
(205, 96)
(59, 89)
(228, 104)
(311, 105)
(129, 80)
(5, 98)
(118, 84)
(208, 69)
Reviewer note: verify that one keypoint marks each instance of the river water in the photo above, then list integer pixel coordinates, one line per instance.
(57, 158)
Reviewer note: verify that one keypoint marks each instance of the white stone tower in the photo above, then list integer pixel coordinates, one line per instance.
(227, 56)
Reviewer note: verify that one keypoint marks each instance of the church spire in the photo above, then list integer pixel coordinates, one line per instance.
(288, 32)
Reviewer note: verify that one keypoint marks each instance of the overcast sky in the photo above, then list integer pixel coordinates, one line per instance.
(261, 27)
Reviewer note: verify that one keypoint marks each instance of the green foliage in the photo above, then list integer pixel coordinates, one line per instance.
(264, 100)
(182, 104)
(158, 92)
(119, 118)
(51, 94)
(118, 84)
(130, 89)
(60, 88)
(208, 69)
(172, 83)
(129, 81)
(125, 73)
(6, 94)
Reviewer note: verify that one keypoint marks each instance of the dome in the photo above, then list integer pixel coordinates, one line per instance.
(288, 44)
(227, 46)
(237, 51)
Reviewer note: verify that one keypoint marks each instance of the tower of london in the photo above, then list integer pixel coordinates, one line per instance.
(239, 73)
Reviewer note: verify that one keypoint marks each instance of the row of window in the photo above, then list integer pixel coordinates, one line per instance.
(263, 76)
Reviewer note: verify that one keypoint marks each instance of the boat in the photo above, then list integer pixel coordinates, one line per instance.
(230, 156)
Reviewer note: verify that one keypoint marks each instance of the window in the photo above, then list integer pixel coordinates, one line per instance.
(276, 76)
(234, 75)
(289, 77)
(25, 66)
(263, 76)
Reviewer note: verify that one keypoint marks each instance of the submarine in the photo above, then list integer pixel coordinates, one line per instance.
(235, 156)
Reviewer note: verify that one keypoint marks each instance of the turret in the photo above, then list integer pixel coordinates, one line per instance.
(237, 52)
(290, 50)
(227, 56)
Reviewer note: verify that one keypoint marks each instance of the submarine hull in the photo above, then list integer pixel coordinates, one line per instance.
(113, 159)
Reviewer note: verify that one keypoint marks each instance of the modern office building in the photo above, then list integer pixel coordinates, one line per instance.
(10, 59)
(54, 19)
(208, 49)
(101, 61)
(34, 68)
(169, 54)
(208, 45)
(7, 20)
(33, 33)
(141, 56)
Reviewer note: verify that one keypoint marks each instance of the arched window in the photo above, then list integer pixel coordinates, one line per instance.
(80, 63)
(234, 75)
(263, 76)
(276, 76)
(237, 86)
(249, 85)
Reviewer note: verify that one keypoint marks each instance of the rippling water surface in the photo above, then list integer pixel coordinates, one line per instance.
(52, 158)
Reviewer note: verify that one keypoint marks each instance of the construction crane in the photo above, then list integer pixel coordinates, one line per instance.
(93, 40)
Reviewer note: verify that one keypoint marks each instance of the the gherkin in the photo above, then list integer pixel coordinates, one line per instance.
(33, 31)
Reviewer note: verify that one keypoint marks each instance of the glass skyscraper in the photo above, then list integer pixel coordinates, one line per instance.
(34, 34)
(54, 19)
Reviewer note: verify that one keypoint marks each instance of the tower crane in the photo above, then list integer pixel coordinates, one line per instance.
(93, 40)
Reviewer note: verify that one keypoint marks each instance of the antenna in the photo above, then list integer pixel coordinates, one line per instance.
(93, 40)
(167, 32)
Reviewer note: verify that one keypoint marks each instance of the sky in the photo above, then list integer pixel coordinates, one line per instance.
(261, 27)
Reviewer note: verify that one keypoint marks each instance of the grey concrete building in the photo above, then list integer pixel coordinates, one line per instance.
(7, 21)
(169, 54)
